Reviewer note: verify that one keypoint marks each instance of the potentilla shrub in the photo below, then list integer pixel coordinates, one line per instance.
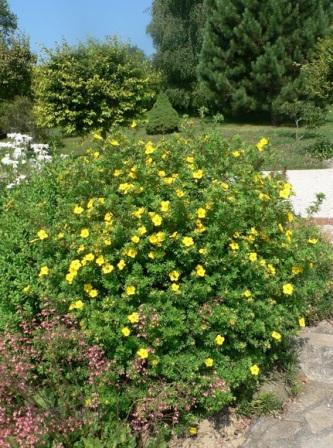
(180, 259)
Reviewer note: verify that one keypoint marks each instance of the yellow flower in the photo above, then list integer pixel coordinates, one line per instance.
(125, 188)
(201, 213)
(190, 159)
(198, 174)
(78, 305)
(121, 265)
(247, 294)
(169, 180)
(161, 173)
(209, 362)
(253, 256)
(313, 241)
(156, 219)
(234, 246)
(134, 124)
(117, 172)
(107, 268)
(100, 260)
(290, 216)
(132, 253)
(90, 203)
(75, 265)
(276, 335)
(175, 287)
(60, 235)
(87, 287)
(193, 431)
(286, 191)
(263, 142)
(88, 257)
(101, 201)
(70, 277)
(114, 142)
(203, 250)
(219, 340)
(174, 276)
(125, 331)
(44, 270)
(107, 242)
(296, 270)
(180, 193)
(80, 248)
(130, 290)
(188, 241)
(93, 293)
(165, 206)
(151, 255)
(142, 230)
(236, 154)
(149, 148)
(42, 235)
(200, 271)
(142, 353)
(288, 289)
(289, 234)
(271, 269)
(133, 318)
(254, 370)
(264, 196)
(108, 217)
(97, 136)
(138, 212)
(78, 210)
(135, 239)
(301, 322)
(84, 233)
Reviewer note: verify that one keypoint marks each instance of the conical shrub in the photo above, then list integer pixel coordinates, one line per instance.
(163, 118)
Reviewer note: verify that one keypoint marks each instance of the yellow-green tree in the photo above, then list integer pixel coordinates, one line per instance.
(93, 85)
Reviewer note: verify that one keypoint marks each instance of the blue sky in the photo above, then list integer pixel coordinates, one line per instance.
(50, 21)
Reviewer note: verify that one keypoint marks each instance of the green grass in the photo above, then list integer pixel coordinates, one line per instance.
(287, 151)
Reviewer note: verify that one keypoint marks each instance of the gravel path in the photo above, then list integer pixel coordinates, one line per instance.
(307, 183)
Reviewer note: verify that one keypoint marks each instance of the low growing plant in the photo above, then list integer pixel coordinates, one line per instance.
(181, 260)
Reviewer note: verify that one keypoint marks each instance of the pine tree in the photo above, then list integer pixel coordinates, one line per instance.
(177, 31)
(253, 50)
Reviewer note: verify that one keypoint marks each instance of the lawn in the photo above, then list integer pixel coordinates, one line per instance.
(286, 151)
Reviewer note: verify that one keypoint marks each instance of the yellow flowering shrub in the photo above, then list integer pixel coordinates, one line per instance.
(183, 261)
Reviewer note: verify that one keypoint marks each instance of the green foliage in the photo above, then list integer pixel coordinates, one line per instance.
(180, 259)
(321, 148)
(163, 118)
(17, 116)
(177, 30)
(16, 63)
(8, 20)
(93, 86)
(253, 51)
(308, 99)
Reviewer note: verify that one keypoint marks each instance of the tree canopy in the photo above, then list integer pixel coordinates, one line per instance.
(177, 31)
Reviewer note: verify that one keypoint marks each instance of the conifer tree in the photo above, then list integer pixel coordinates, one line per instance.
(254, 49)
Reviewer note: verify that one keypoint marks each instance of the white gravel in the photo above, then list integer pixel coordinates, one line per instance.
(306, 184)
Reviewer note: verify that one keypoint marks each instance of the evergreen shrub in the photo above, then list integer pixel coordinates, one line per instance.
(163, 118)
